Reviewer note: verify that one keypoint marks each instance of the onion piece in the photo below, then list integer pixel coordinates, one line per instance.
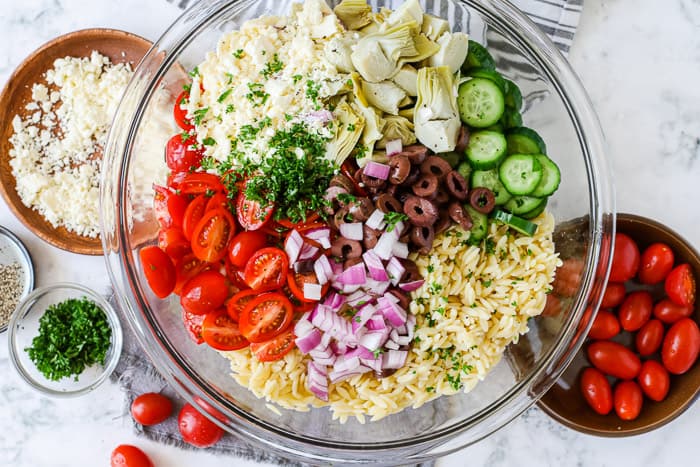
(393, 147)
(374, 363)
(322, 235)
(400, 250)
(334, 301)
(385, 245)
(346, 363)
(376, 323)
(312, 291)
(317, 381)
(359, 298)
(307, 252)
(377, 288)
(394, 359)
(411, 286)
(303, 328)
(323, 270)
(376, 170)
(352, 231)
(376, 220)
(373, 340)
(393, 345)
(309, 342)
(332, 192)
(293, 246)
(392, 312)
(375, 266)
(337, 376)
(395, 269)
(354, 275)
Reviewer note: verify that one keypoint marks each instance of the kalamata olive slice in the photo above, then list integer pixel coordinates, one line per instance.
(391, 190)
(423, 237)
(387, 203)
(360, 209)
(415, 153)
(482, 200)
(404, 299)
(370, 236)
(444, 222)
(426, 186)
(371, 181)
(411, 271)
(413, 176)
(342, 181)
(420, 211)
(460, 215)
(462, 140)
(437, 166)
(441, 197)
(344, 248)
(400, 168)
(351, 262)
(457, 185)
(340, 217)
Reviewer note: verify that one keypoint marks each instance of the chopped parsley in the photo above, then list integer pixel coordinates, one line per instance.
(199, 115)
(351, 127)
(297, 78)
(312, 88)
(230, 108)
(435, 288)
(194, 72)
(489, 246)
(377, 353)
(239, 53)
(257, 95)
(431, 268)
(224, 95)
(487, 283)
(392, 218)
(229, 78)
(187, 87)
(346, 198)
(272, 67)
(209, 141)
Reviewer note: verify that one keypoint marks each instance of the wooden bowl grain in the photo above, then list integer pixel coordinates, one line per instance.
(119, 47)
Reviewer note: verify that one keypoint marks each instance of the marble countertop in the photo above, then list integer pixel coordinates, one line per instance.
(639, 61)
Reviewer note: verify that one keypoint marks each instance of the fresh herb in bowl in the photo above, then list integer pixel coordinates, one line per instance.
(73, 335)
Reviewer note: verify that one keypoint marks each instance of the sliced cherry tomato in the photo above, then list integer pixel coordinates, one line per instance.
(596, 391)
(680, 285)
(348, 168)
(654, 380)
(681, 346)
(221, 332)
(605, 326)
(175, 178)
(568, 277)
(236, 304)
(159, 270)
(649, 338)
(628, 400)
(174, 243)
(193, 325)
(311, 218)
(183, 155)
(169, 207)
(205, 292)
(196, 429)
(212, 234)
(151, 408)
(180, 113)
(296, 281)
(193, 214)
(635, 310)
(244, 245)
(235, 275)
(200, 182)
(186, 268)
(655, 264)
(266, 269)
(614, 295)
(251, 214)
(614, 359)
(274, 349)
(625, 262)
(126, 455)
(219, 200)
(265, 317)
(669, 312)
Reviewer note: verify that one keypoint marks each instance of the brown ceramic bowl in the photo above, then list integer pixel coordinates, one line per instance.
(564, 401)
(120, 47)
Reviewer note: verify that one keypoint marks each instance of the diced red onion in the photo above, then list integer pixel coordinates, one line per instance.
(336, 267)
(395, 269)
(326, 339)
(354, 275)
(360, 352)
(374, 363)
(411, 286)
(393, 147)
(377, 288)
(293, 246)
(322, 352)
(339, 348)
(348, 289)
(322, 269)
(376, 220)
(334, 301)
(400, 250)
(309, 342)
(312, 291)
(359, 298)
(317, 380)
(394, 359)
(376, 323)
(372, 340)
(376, 170)
(398, 229)
(337, 376)
(308, 252)
(321, 235)
(385, 244)
(392, 311)
(346, 363)
(375, 266)
(403, 340)
(390, 344)
(303, 328)
(352, 231)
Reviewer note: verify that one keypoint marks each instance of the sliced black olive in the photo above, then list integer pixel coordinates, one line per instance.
(462, 139)
(415, 153)
(437, 166)
(457, 185)
(420, 211)
(360, 209)
(423, 237)
(442, 196)
(460, 215)
(400, 168)
(371, 181)
(404, 299)
(426, 186)
(342, 181)
(344, 248)
(370, 236)
(482, 199)
(411, 271)
(387, 203)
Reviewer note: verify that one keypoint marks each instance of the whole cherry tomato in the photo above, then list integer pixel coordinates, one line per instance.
(614, 359)
(680, 285)
(649, 337)
(681, 346)
(605, 326)
(596, 391)
(669, 312)
(635, 310)
(655, 264)
(159, 270)
(180, 113)
(244, 245)
(196, 429)
(628, 400)
(182, 155)
(205, 292)
(625, 262)
(126, 455)
(654, 380)
(151, 408)
(614, 295)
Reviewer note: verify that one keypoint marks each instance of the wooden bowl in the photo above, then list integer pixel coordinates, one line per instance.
(564, 401)
(120, 47)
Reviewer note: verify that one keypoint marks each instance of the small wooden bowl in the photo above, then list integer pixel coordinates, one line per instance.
(564, 402)
(120, 47)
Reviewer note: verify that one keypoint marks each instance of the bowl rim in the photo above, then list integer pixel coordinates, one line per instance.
(27, 263)
(25, 307)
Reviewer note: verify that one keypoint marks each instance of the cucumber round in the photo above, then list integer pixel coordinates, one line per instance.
(523, 140)
(511, 118)
(489, 179)
(485, 149)
(551, 176)
(465, 170)
(480, 102)
(520, 173)
(480, 225)
(524, 204)
(478, 57)
(514, 98)
(489, 74)
(516, 223)
(537, 211)
(451, 158)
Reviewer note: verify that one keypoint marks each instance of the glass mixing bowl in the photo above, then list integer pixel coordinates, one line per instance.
(555, 104)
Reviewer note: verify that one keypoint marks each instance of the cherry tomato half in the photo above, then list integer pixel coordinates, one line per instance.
(635, 310)
(218, 200)
(296, 281)
(193, 214)
(244, 245)
(169, 207)
(628, 400)
(655, 264)
(236, 304)
(614, 359)
(180, 113)
(605, 326)
(126, 455)
(681, 346)
(669, 312)
(196, 429)
(196, 183)
(203, 293)
(193, 325)
(649, 338)
(266, 269)
(159, 270)
(311, 218)
(625, 262)
(212, 234)
(680, 285)
(221, 332)
(274, 349)
(614, 295)
(654, 380)
(186, 268)
(596, 391)
(265, 317)
(173, 243)
(151, 408)
(251, 214)
(183, 155)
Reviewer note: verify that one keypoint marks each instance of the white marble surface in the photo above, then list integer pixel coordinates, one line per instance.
(639, 61)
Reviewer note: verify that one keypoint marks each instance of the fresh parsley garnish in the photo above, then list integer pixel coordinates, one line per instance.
(209, 141)
(256, 95)
(272, 67)
(312, 89)
(224, 95)
(239, 53)
(392, 218)
(346, 198)
(194, 72)
(199, 115)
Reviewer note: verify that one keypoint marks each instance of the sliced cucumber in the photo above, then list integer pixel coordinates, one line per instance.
(480, 102)
(478, 57)
(523, 140)
(452, 158)
(551, 176)
(495, 127)
(523, 204)
(511, 118)
(514, 98)
(485, 149)
(465, 170)
(489, 179)
(516, 223)
(537, 211)
(489, 74)
(520, 173)
(480, 225)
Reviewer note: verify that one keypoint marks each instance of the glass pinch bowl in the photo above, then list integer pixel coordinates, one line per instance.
(555, 104)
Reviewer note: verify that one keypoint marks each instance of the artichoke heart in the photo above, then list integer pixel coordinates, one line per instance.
(337, 52)
(397, 127)
(349, 128)
(434, 27)
(406, 78)
(376, 56)
(386, 96)
(354, 14)
(436, 119)
(410, 10)
(425, 49)
(374, 123)
(453, 51)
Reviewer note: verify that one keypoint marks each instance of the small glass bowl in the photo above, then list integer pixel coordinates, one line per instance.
(24, 326)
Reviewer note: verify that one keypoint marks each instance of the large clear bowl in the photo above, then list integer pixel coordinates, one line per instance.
(554, 103)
